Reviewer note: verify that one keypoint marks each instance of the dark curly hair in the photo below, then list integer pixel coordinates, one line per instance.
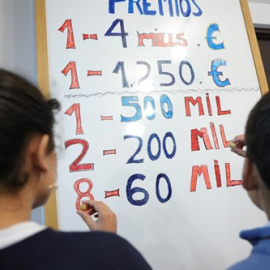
(23, 113)
(257, 137)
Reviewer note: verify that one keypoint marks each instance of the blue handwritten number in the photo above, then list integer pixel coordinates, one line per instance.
(160, 71)
(191, 72)
(121, 34)
(152, 156)
(149, 150)
(126, 101)
(169, 135)
(150, 113)
(164, 176)
(164, 99)
(131, 191)
(132, 101)
(132, 158)
(120, 66)
(148, 70)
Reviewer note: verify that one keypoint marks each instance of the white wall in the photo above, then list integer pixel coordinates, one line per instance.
(17, 35)
(18, 47)
(17, 41)
(260, 11)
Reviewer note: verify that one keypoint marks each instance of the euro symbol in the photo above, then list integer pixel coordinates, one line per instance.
(215, 73)
(210, 31)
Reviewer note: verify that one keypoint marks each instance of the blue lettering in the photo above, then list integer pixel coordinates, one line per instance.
(112, 5)
(131, 4)
(177, 8)
(146, 8)
(188, 11)
(160, 7)
(199, 13)
(172, 7)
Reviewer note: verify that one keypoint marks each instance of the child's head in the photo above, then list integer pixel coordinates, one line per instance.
(23, 113)
(256, 175)
(258, 137)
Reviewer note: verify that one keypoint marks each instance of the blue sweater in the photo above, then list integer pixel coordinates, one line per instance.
(51, 250)
(259, 259)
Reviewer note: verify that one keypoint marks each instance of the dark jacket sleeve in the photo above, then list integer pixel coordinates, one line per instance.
(122, 255)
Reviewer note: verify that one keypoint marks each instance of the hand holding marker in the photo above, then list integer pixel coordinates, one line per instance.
(106, 219)
(237, 144)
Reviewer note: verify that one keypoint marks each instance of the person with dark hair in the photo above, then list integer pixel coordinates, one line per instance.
(27, 177)
(256, 181)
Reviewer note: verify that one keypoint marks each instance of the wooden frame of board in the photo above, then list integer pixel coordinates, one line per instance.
(43, 82)
(43, 75)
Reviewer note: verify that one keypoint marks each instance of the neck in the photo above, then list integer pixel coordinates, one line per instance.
(14, 209)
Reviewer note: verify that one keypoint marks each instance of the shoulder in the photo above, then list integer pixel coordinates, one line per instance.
(105, 239)
(252, 263)
(241, 265)
(100, 250)
(109, 248)
(80, 239)
(258, 259)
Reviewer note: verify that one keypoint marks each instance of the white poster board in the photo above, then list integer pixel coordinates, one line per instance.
(151, 93)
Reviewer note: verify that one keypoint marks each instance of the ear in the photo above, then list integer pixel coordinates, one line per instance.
(41, 154)
(250, 175)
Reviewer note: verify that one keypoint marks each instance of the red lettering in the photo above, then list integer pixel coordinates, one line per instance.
(146, 36)
(158, 39)
(179, 37)
(195, 133)
(217, 173)
(197, 171)
(82, 194)
(220, 112)
(70, 37)
(225, 142)
(231, 183)
(112, 193)
(193, 101)
(77, 109)
(71, 67)
(208, 105)
(214, 134)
